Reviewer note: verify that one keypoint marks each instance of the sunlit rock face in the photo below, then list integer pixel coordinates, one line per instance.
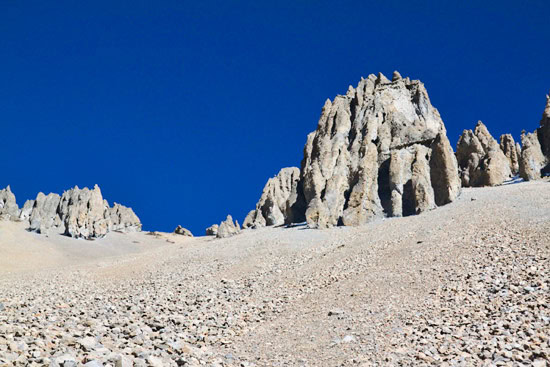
(481, 161)
(380, 150)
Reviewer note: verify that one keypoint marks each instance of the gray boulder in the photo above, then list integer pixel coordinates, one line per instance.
(8, 206)
(228, 228)
(481, 161)
(277, 204)
(183, 231)
(212, 230)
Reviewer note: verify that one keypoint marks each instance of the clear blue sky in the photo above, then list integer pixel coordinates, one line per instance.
(183, 109)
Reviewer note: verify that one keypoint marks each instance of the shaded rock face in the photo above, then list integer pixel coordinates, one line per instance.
(8, 206)
(512, 152)
(544, 130)
(79, 213)
(228, 228)
(535, 153)
(481, 161)
(278, 203)
(183, 231)
(373, 154)
(212, 230)
(532, 161)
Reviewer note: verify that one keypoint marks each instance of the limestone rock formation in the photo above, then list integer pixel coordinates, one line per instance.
(535, 153)
(84, 213)
(26, 210)
(228, 228)
(511, 151)
(8, 205)
(122, 219)
(212, 230)
(373, 154)
(79, 213)
(45, 216)
(481, 161)
(532, 161)
(544, 130)
(183, 231)
(278, 203)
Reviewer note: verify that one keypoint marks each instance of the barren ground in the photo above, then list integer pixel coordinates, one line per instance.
(467, 284)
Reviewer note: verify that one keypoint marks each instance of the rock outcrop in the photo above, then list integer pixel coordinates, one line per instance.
(122, 219)
(511, 151)
(278, 203)
(481, 161)
(373, 153)
(183, 231)
(532, 161)
(535, 153)
(228, 228)
(8, 206)
(212, 230)
(79, 213)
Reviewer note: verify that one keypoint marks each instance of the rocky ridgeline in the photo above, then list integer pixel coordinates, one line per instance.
(482, 161)
(380, 150)
(79, 213)
(535, 155)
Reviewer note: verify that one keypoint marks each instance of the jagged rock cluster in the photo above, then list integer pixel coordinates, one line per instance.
(512, 151)
(8, 205)
(79, 213)
(228, 228)
(380, 150)
(277, 203)
(481, 160)
(535, 155)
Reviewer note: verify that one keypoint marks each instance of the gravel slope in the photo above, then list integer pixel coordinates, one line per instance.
(466, 284)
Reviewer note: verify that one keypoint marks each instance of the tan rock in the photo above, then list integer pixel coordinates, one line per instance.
(183, 231)
(277, 202)
(532, 159)
(481, 161)
(358, 163)
(510, 150)
(228, 228)
(444, 171)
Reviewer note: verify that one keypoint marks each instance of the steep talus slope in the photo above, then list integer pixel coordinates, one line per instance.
(393, 292)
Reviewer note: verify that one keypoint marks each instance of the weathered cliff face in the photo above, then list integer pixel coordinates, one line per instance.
(278, 202)
(532, 161)
(373, 154)
(512, 152)
(79, 213)
(8, 206)
(535, 154)
(544, 130)
(481, 161)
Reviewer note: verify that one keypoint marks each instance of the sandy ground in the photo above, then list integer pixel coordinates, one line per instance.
(399, 291)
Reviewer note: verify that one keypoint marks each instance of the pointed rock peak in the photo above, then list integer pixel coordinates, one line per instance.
(8, 188)
(382, 78)
(328, 104)
(396, 76)
(351, 91)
